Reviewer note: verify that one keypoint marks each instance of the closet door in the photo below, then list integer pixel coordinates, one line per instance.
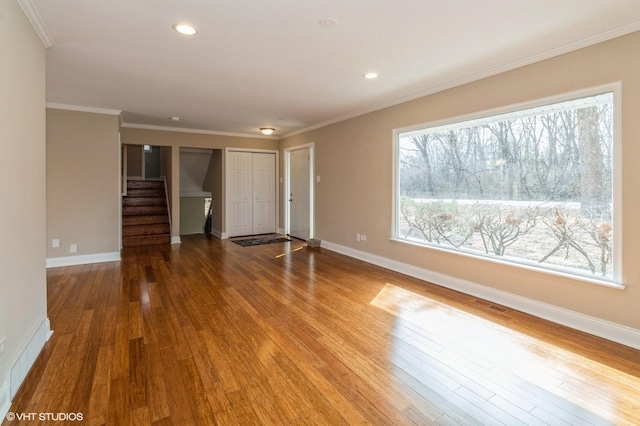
(240, 194)
(264, 193)
(251, 193)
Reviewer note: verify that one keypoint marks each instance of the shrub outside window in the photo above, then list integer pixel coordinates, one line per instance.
(533, 186)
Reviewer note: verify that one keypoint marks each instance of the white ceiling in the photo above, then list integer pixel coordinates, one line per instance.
(257, 63)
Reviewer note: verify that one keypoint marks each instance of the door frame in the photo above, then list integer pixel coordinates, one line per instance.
(227, 150)
(287, 186)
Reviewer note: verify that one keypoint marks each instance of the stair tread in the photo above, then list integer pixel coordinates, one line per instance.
(143, 210)
(148, 230)
(145, 216)
(144, 192)
(145, 220)
(143, 201)
(145, 184)
(140, 240)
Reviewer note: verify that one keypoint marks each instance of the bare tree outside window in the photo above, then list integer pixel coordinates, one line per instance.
(532, 186)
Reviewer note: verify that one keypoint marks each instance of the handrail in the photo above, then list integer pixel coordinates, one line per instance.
(166, 195)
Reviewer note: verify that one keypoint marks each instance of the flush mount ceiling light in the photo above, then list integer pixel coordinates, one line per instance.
(370, 75)
(185, 29)
(267, 130)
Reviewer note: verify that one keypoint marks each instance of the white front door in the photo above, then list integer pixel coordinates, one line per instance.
(264, 193)
(251, 193)
(300, 193)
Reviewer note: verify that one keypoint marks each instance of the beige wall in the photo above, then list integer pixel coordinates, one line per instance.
(213, 182)
(192, 215)
(354, 160)
(178, 140)
(134, 161)
(83, 182)
(23, 300)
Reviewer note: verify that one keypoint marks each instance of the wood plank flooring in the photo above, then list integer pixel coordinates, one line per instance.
(208, 332)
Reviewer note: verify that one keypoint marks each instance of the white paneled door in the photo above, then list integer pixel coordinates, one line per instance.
(251, 193)
(300, 193)
(264, 193)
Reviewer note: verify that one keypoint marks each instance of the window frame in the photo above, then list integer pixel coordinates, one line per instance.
(616, 280)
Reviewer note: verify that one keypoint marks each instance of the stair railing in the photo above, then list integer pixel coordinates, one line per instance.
(166, 195)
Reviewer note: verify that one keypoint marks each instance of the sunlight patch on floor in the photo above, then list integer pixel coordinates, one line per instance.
(569, 375)
(278, 256)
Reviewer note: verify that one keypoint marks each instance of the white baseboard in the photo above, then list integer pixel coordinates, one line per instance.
(5, 401)
(19, 369)
(217, 233)
(176, 240)
(598, 327)
(56, 262)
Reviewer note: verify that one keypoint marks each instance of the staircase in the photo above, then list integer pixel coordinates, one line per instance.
(145, 217)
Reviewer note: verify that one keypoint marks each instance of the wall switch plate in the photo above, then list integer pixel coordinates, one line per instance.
(73, 248)
(318, 178)
(55, 243)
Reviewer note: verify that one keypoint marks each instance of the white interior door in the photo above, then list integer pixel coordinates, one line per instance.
(264, 193)
(240, 194)
(251, 193)
(300, 193)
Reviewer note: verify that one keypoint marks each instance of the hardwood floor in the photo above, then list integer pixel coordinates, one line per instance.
(209, 332)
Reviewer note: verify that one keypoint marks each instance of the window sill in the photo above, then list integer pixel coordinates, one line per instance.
(576, 277)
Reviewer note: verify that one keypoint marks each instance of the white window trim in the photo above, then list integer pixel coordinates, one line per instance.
(617, 279)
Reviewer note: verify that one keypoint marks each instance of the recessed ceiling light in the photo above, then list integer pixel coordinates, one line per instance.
(328, 22)
(185, 29)
(267, 130)
(371, 75)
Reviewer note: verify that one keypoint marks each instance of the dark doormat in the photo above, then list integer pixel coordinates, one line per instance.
(247, 242)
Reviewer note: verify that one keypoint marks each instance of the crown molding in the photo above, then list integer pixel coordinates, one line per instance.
(475, 76)
(84, 109)
(37, 23)
(197, 131)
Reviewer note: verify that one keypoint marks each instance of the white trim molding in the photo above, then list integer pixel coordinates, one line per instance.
(36, 22)
(176, 240)
(598, 327)
(79, 108)
(196, 131)
(217, 233)
(5, 401)
(56, 262)
(19, 369)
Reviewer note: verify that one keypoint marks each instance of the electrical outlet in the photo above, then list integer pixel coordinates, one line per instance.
(3, 345)
(73, 248)
(55, 243)
(363, 237)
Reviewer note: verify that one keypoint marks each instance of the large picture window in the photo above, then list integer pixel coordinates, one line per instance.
(532, 186)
